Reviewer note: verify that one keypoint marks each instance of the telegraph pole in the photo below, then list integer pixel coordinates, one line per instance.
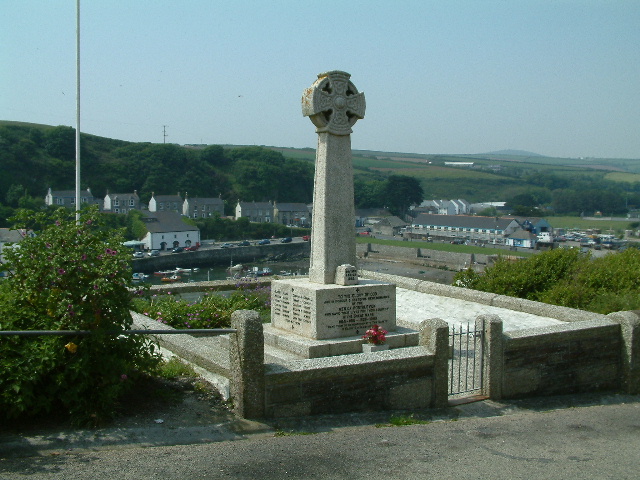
(164, 133)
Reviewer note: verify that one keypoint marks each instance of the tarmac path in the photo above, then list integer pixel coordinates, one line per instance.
(536, 440)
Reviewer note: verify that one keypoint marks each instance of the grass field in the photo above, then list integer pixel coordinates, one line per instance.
(623, 177)
(584, 224)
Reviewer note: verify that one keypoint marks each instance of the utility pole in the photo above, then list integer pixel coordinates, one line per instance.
(164, 133)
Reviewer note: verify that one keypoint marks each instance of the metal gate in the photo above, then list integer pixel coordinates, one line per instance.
(466, 359)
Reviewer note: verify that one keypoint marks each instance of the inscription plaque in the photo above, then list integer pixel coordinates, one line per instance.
(321, 312)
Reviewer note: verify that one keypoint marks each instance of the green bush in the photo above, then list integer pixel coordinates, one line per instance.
(70, 275)
(565, 277)
(211, 311)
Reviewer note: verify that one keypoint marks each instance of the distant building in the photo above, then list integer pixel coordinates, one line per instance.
(202, 207)
(12, 236)
(121, 202)
(369, 216)
(459, 164)
(67, 198)
(167, 230)
(259, 212)
(389, 226)
(444, 207)
(472, 228)
(165, 203)
(296, 214)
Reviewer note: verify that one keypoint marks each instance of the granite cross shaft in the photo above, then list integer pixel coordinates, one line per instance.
(334, 105)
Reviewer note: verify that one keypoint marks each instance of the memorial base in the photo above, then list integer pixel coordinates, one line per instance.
(281, 346)
(324, 311)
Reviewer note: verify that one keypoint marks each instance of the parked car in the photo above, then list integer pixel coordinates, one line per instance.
(226, 245)
(153, 253)
(244, 243)
(177, 250)
(306, 238)
(192, 248)
(264, 241)
(458, 241)
(286, 240)
(138, 254)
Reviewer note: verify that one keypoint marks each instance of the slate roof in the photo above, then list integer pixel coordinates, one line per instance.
(463, 221)
(392, 221)
(159, 222)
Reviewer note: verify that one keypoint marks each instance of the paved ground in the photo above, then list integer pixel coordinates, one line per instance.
(578, 437)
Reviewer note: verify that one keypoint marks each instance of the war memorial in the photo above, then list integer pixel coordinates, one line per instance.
(310, 360)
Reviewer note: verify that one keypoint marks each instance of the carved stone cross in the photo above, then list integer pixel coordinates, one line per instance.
(334, 105)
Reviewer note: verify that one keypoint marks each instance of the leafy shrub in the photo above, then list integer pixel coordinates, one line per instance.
(565, 277)
(69, 276)
(210, 311)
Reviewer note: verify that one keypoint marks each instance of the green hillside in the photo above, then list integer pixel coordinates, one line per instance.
(35, 157)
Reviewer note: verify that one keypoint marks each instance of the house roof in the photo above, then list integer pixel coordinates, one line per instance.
(291, 207)
(523, 234)
(158, 222)
(463, 221)
(255, 204)
(122, 195)
(167, 198)
(392, 221)
(8, 235)
(205, 200)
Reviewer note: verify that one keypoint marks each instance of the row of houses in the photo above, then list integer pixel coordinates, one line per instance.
(455, 207)
(297, 214)
(511, 231)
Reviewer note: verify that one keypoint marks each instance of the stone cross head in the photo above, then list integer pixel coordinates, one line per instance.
(333, 103)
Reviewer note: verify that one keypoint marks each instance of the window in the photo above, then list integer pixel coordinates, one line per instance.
(132, 203)
(116, 203)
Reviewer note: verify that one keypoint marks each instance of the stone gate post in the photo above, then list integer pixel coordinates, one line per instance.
(246, 363)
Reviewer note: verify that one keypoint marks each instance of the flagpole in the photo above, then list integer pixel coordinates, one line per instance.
(78, 110)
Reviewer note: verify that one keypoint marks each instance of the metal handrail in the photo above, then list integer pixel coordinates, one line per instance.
(202, 332)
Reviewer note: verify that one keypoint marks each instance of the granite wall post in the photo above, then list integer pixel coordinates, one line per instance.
(434, 334)
(246, 358)
(630, 331)
(493, 352)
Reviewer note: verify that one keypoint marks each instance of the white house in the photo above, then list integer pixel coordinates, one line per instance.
(167, 230)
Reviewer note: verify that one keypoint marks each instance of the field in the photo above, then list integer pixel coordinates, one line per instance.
(588, 223)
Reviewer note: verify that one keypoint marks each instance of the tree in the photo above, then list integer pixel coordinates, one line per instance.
(400, 192)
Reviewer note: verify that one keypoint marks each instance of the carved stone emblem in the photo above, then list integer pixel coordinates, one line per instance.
(333, 103)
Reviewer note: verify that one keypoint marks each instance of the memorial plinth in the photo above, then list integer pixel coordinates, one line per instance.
(319, 311)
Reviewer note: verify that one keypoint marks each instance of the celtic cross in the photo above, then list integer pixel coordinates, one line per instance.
(333, 103)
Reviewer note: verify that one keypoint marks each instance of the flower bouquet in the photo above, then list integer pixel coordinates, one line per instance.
(375, 335)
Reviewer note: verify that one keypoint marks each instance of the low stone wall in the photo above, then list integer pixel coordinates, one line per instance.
(422, 256)
(574, 358)
(393, 379)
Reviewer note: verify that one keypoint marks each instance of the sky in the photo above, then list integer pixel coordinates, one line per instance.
(557, 78)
